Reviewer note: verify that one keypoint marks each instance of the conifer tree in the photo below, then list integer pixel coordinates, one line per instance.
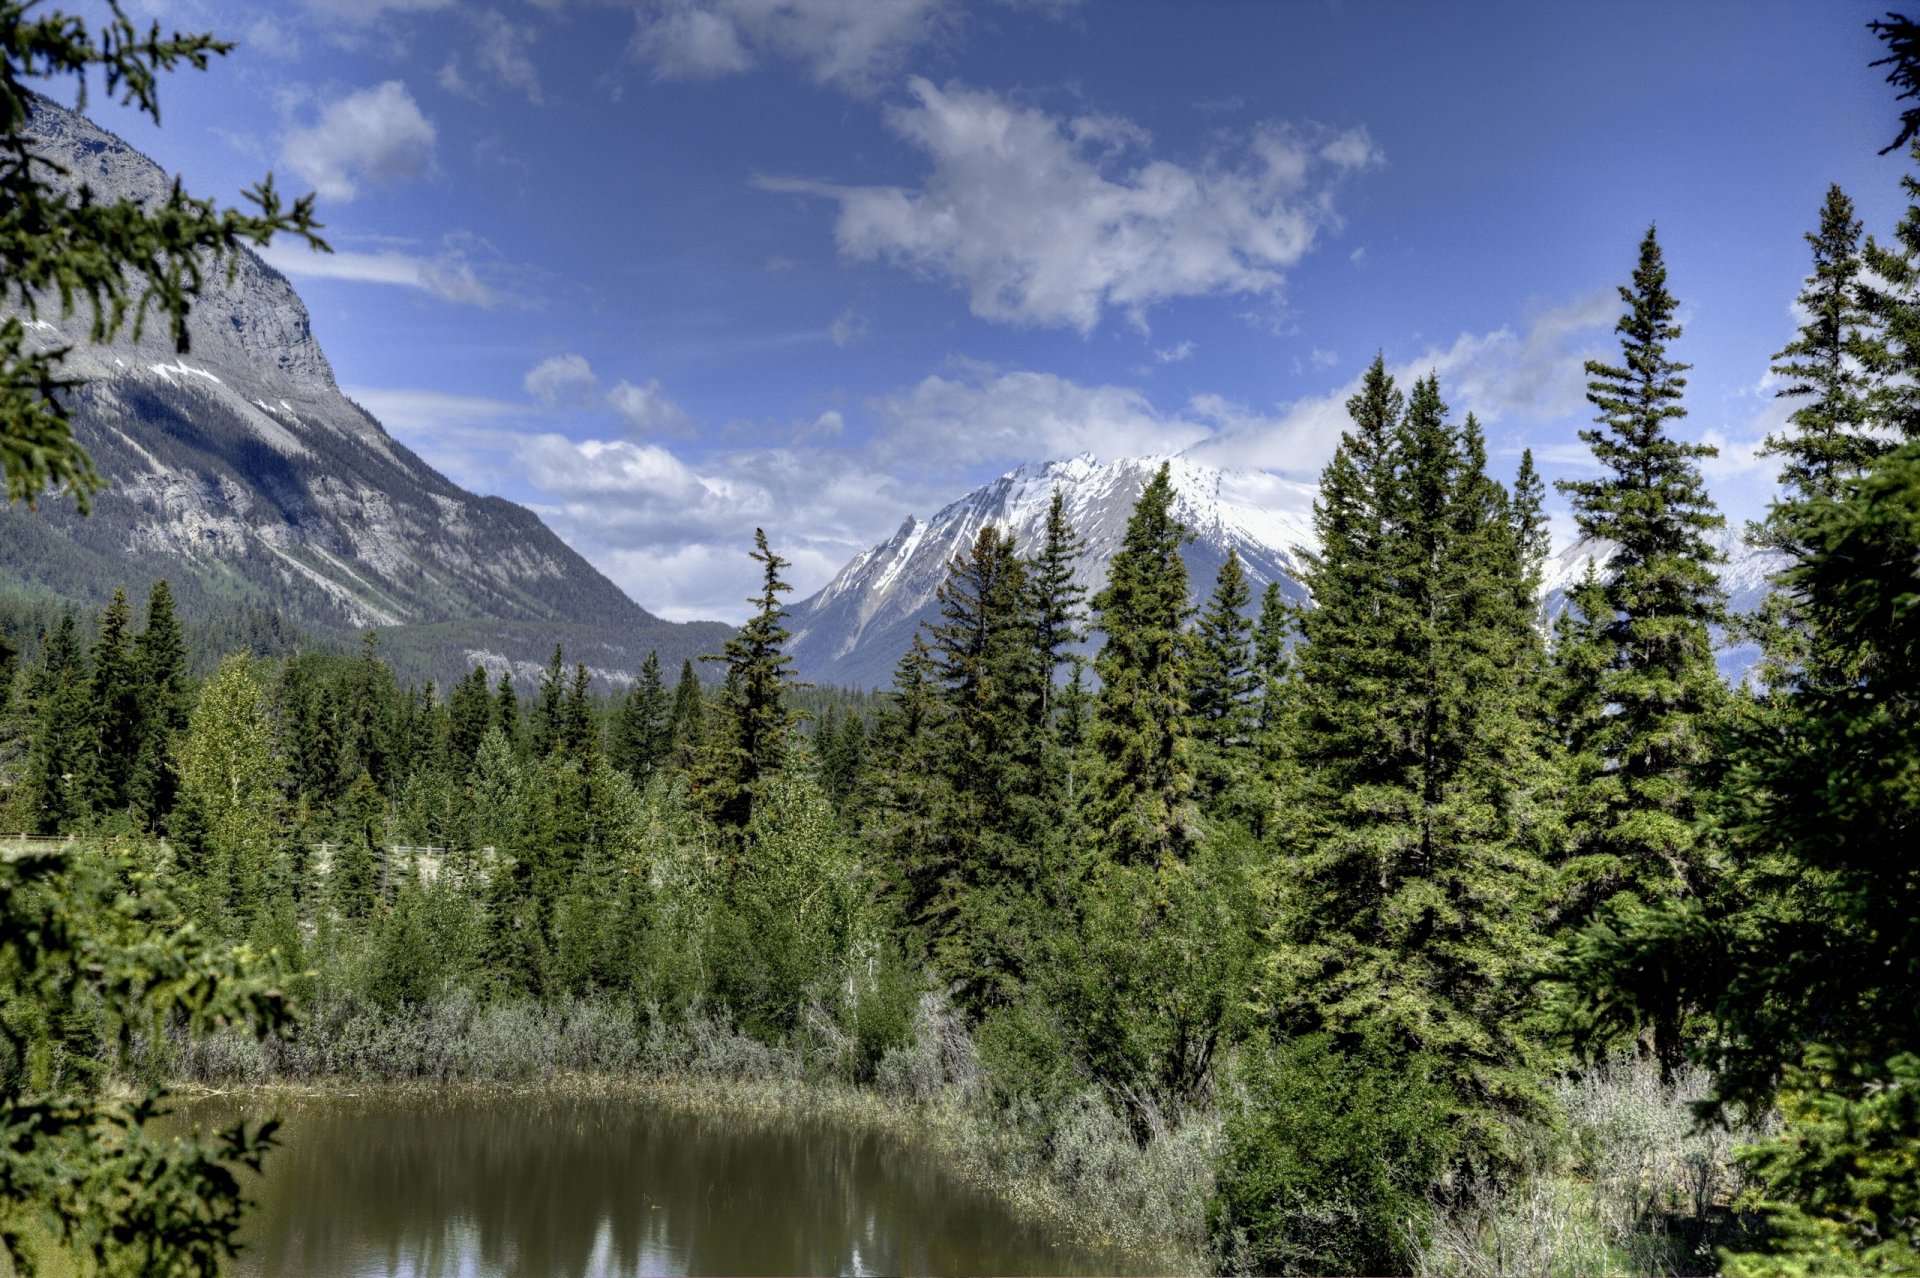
(506, 710)
(903, 784)
(549, 715)
(687, 729)
(641, 732)
(579, 734)
(114, 710)
(1660, 687)
(1271, 664)
(749, 739)
(986, 821)
(469, 716)
(1835, 368)
(1222, 679)
(58, 754)
(1058, 605)
(232, 796)
(366, 716)
(1140, 797)
(1406, 918)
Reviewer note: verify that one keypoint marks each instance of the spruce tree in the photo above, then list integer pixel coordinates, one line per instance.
(749, 738)
(687, 728)
(641, 730)
(1222, 680)
(506, 710)
(904, 785)
(1058, 606)
(579, 733)
(62, 741)
(1140, 798)
(1834, 368)
(1660, 688)
(469, 716)
(160, 667)
(1405, 917)
(986, 821)
(549, 715)
(114, 710)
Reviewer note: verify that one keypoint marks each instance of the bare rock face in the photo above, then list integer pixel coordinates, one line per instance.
(240, 469)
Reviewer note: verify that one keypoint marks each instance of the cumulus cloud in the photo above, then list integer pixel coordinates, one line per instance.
(1533, 376)
(1050, 221)
(361, 12)
(560, 379)
(848, 328)
(978, 414)
(1176, 353)
(647, 410)
(851, 43)
(501, 54)
(376, 135)
(449, 275)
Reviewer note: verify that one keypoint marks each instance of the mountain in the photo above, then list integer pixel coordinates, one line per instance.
(854, 631)
(243, 475)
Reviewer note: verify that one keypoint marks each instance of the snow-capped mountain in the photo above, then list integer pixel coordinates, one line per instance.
(243, 475)
(854, 631)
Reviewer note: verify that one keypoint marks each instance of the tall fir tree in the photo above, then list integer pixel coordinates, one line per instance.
(687, 728)
(506, 710)
(1406, 916)
(1223, 682)
(160, 666)
(469, 716)
(748, 741)
(641, 731)
(114, 709)
(549, 713)
(1661, 691)
(58, 753)
(1140, 799)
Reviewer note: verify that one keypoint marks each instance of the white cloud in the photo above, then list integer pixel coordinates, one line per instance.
(1531, 378)
(448, 275)
(1176, 353)
(1035, 215)
(1322, 359)
(275, 39)
(851, 43)
(647, 410)
(849, 327)
(501, 54)
(980, 414)
(376, 135)
(561, 379)
(361, 12)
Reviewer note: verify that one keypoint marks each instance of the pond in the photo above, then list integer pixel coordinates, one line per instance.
(478, 1184)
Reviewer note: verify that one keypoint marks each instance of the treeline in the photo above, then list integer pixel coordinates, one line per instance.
(1365, 878)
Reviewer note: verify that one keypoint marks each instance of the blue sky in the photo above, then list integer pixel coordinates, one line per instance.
(668, 271)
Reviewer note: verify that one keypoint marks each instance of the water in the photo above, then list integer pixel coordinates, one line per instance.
(486, 1184)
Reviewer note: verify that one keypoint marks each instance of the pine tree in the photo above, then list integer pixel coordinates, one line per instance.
(549, 715)
(986, 819)
(1140, 797)
(579, 733)
(749, 739)
(1222, 680)
(904, 787)
(1835, 368)
(1661, 689)
(506, 710)
(114, 711)
(687, 728)
(469, 716)
(62, 742)
(1058, 606)
(641, 733)
(160, 667)
(367, 714)
(1406, 913)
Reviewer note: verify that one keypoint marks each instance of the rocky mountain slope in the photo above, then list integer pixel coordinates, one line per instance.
(242, 474)
(854, 631)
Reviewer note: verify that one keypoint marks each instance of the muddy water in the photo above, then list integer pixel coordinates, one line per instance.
(479, 1185)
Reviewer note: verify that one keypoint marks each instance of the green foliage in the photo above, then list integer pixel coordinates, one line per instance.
(81, 931)
(1329, 1157)
(1139, 802)
(748, 739)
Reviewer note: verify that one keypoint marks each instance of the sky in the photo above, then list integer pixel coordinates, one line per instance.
(669, 271)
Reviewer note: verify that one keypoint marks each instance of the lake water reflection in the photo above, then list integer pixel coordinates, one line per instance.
(484, 1184)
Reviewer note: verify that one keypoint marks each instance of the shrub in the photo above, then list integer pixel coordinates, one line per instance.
(1329, 1157)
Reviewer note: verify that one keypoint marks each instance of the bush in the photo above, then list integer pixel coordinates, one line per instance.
(1329, 1158)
